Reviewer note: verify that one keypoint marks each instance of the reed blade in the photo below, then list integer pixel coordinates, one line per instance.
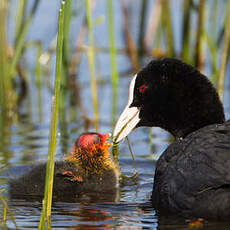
(91, 59)
(113, 59)
(199, 50)
(53, 125)
(186, 30)
(224, 55)
(20, 40)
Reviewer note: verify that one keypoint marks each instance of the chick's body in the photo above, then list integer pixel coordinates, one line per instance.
(89, 169)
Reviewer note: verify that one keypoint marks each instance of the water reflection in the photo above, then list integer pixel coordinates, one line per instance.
(127, 211)
(89, 218)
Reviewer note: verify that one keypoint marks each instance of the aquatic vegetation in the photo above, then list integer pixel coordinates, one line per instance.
(133, 33)
(6, 213)
(224, 56)
(91, 59)
(113, 61)
(46, 212)
(6, 88)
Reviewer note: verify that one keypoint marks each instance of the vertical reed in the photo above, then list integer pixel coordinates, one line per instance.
(6, 210)
(131, 152)
(152, 24)
(199, 55)
(38, 69)
(66, 73)
(144, 4)
(91, 59)
(6, 95)
(167, 22)
(113, 61)
(224, 54)
(130, 44)
(21, 38)
(186, 30)
(66, 48)
(46, 212)
(212, 39)
(20, 19)
(213, 19)
(38, 81)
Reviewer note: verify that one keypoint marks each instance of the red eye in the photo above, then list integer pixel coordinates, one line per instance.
(142, 88)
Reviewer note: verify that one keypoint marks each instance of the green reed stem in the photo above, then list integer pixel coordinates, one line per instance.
(142, 27)
(224, 55)
(38, 73)
(65, 67)
(66, 47)
(115, 152)
(113, 61)
(38, 81)
(214, 18)
(130, 149)
(7, 95)
(199, 36)
(213, 55)
(20, 19)
(53, 125)
(186, 31)
(4, 80)
(5, 211)
(4, 215)
(21, 39)
(42, 224)
(167, 21)
(91, 59)
(38, 69)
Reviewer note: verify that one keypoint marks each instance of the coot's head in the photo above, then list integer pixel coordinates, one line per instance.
(91, 150)
(170, 94)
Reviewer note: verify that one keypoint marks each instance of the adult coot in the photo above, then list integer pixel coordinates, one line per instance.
(193, 174)
(89, 169)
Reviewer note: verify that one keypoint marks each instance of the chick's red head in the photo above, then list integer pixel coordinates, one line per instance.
(92, 141)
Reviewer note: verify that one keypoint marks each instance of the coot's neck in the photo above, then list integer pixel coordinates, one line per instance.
(187, 116)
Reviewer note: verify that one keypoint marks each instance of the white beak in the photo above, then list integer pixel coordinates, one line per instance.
(128, 118)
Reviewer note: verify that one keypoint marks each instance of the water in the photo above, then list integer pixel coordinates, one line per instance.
(25, 141)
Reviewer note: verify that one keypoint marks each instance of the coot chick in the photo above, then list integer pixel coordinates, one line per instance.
(89, 169)
(192, 176)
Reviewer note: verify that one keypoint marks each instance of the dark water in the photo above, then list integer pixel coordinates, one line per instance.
(25, 141)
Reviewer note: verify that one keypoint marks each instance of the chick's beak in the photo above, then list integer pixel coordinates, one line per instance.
(104, 138)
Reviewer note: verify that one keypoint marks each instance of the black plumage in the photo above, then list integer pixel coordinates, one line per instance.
(192, 175)
(88, 170)
(32, 184)
(178, 99)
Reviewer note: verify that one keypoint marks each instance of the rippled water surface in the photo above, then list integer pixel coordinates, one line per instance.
(25, 141)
